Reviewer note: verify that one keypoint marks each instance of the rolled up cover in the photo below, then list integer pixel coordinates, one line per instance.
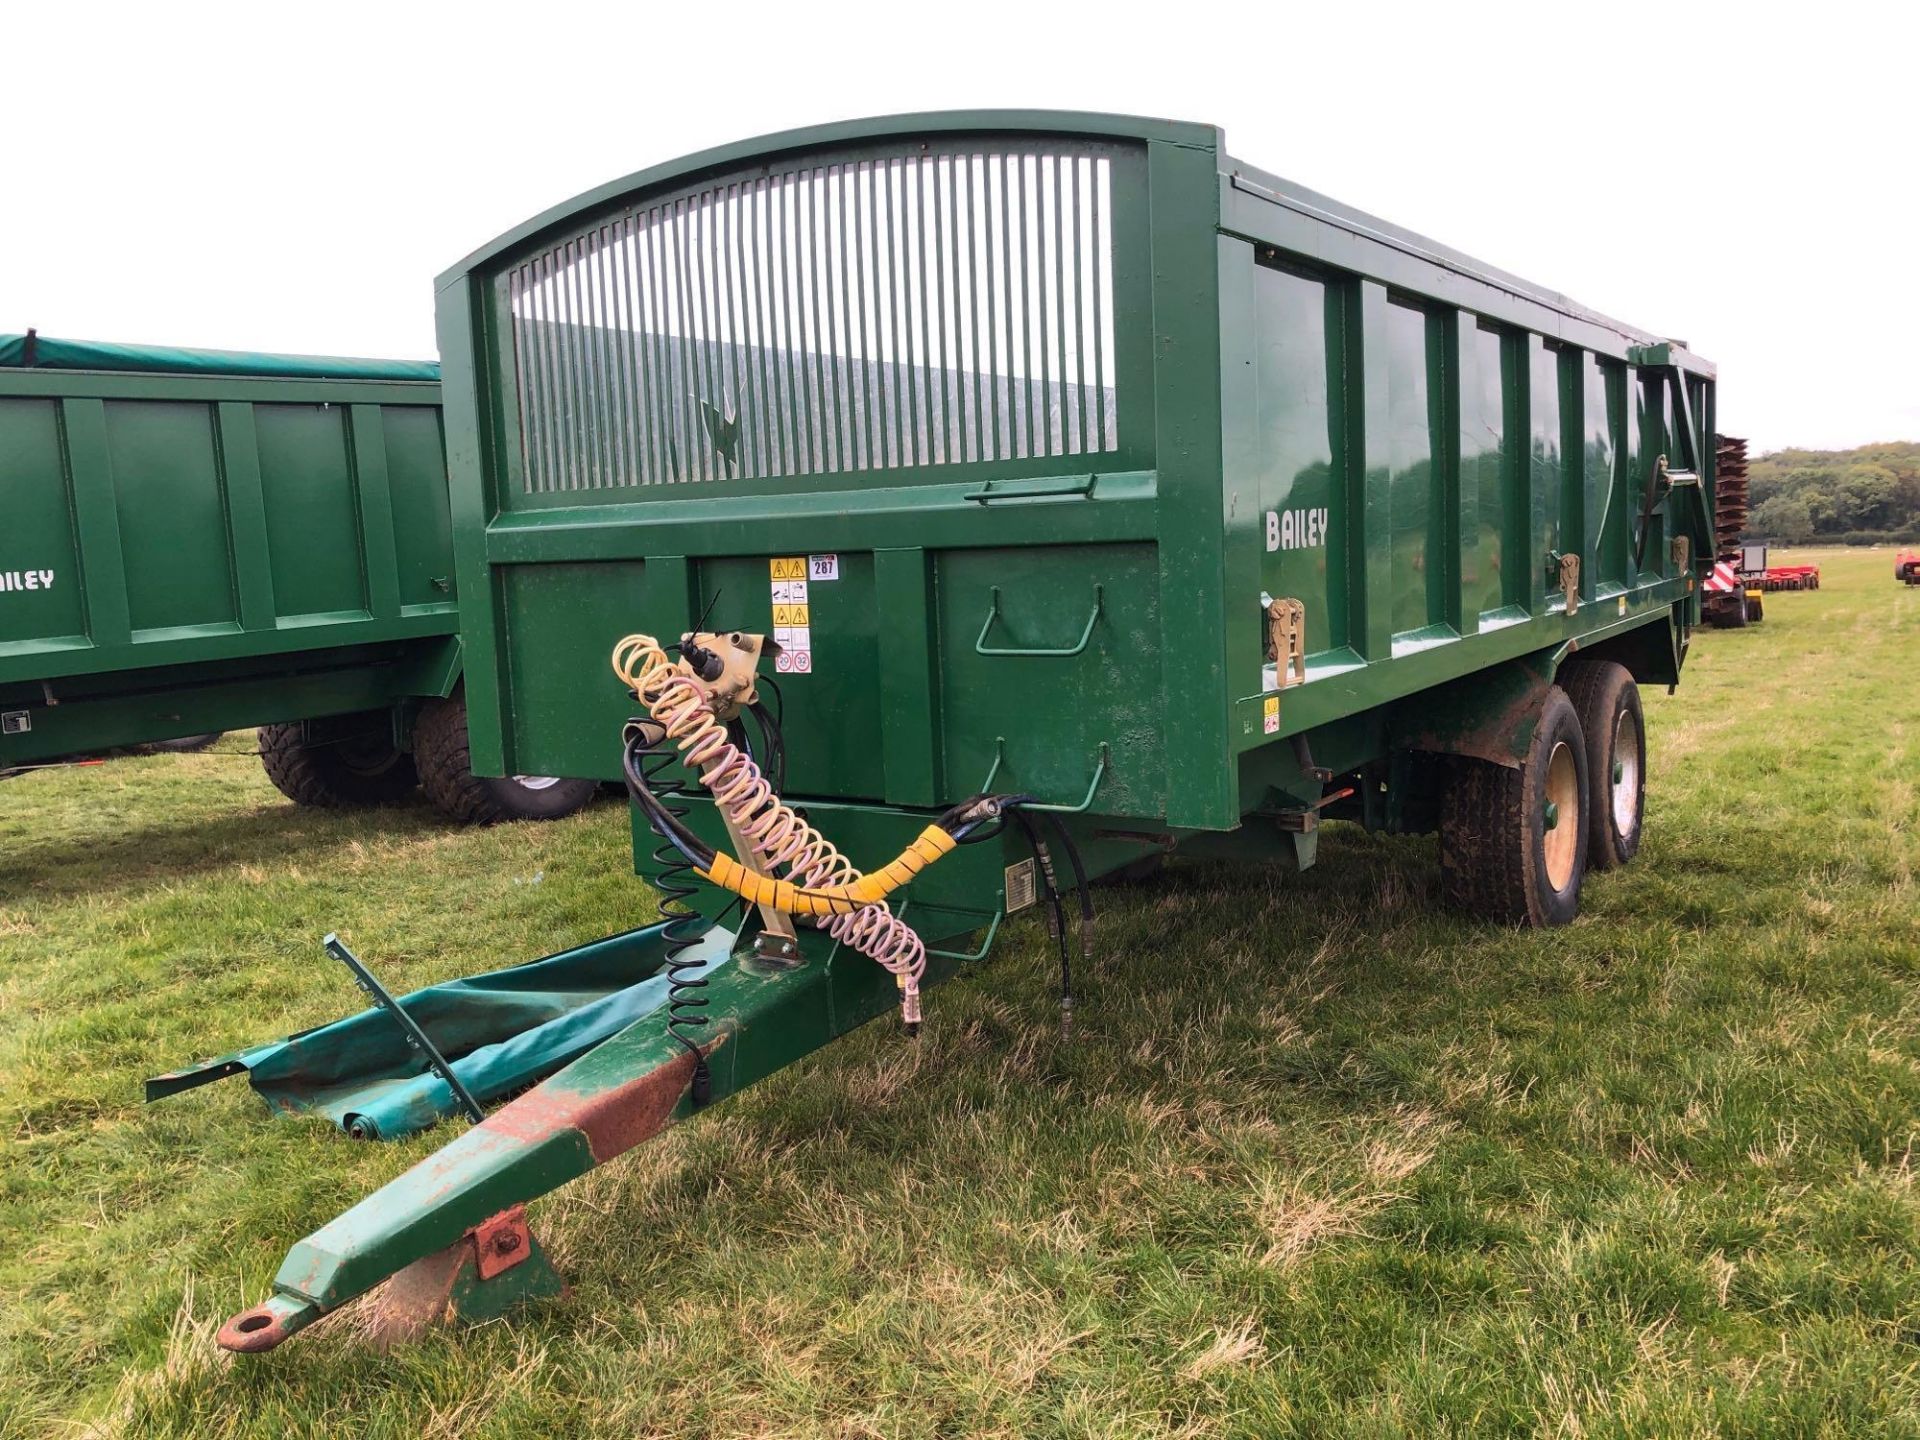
(37, 352)
(500, 1032)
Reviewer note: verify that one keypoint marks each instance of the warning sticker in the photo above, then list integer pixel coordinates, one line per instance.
(792, 614)
(1270, 715)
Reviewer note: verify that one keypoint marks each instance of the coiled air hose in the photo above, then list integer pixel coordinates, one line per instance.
(823, 885)
(820, 884)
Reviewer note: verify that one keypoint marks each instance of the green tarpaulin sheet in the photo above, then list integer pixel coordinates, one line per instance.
(38, 352)
(501, 1032)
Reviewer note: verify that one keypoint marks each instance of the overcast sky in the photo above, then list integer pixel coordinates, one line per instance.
(292, 177)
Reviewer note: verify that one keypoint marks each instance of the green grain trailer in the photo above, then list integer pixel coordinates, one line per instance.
(1072, 481)
(199, 541)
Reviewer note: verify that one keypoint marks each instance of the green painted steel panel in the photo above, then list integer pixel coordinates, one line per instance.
(1296, 361)
(1483, 428)
(1609, 518)
(206, 532)
(42, 603)
(1308, 402)
(313, 523)
(1544, 457)
(1053, 711)
(569, 704)
(833, 709)
(172, 511)
(1412, 506)
(422, 520)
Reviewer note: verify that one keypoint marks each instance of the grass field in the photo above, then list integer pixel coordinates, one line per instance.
(1319, 1160)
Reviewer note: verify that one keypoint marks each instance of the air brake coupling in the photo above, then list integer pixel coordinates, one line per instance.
(725, 666)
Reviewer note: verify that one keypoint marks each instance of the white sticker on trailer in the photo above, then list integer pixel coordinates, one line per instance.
(823, 567)
(792, 613)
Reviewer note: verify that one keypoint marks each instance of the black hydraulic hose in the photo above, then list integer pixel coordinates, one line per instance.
(1079, 880)
(640, 785)
(774, 741)
(1056, 915)
(1086, 917)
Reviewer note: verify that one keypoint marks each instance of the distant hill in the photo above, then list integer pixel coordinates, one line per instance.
(1855, 496)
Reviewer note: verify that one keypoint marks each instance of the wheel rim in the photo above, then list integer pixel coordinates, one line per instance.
(368, 758)
(536, 782)
(1561, 835)
(1626, 773)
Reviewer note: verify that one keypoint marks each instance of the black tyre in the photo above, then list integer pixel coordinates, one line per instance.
(1513, 840)
(1756, 610)
(1608, 704)
(446, 773)
(185, 744)
(347, 762)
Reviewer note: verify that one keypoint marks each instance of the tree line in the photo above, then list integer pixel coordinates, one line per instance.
(1859, 496)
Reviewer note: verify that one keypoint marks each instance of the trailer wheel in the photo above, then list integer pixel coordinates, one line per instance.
(366, 769)
(441, 749)
(1513, 840)
(1608, 704)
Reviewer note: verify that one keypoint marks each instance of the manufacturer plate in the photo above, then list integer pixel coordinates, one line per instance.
(1020, 885)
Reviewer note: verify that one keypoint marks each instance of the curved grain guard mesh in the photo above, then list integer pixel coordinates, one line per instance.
(863, 313)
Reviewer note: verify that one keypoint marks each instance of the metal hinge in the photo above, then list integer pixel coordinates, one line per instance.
(1564, 571)
(1286, 640)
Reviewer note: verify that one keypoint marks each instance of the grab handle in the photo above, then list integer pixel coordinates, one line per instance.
(1093, 786)
(981, 647)
(1080, 488)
